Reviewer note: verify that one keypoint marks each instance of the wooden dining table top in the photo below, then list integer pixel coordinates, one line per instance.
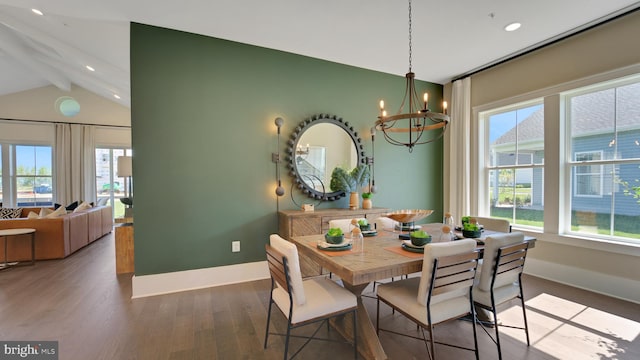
(382, 257)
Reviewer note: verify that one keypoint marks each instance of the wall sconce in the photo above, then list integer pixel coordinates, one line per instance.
(275, 157)
(369, 162)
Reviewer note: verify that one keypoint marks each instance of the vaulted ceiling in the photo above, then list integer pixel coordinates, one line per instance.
(450, 38)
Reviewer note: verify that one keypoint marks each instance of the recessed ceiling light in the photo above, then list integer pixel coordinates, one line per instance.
(90, 68)
(513, 26)
(116, 96)
(36, 11)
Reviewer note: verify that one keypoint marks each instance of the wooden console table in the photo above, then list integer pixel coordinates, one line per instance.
(299, 223)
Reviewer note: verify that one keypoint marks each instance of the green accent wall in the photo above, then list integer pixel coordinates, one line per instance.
(202, 117)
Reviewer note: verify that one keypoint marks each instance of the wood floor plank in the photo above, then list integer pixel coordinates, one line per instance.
(81, 302)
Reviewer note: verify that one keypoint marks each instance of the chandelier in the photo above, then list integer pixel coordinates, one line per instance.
(415, 123)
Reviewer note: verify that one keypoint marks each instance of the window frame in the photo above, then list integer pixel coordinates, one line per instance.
(484, 164)
(10, 175)
(557, 171)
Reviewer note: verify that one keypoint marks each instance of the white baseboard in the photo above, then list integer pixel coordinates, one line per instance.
(614, 286)
(160, 284)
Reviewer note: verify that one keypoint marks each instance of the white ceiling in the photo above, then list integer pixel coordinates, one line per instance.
(450, 37)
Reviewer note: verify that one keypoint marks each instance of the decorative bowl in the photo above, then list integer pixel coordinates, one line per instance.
(472, 233)
(420, 241)
(334, 239)
(365, 227)
(407, 216)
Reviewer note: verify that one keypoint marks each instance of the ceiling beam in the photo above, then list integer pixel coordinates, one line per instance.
(23, 54)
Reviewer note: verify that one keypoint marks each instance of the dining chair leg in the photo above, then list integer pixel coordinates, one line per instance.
(524, 314)
(432, 355)
(475, 334)
(286, 342)
(495, 325)
(266, 335)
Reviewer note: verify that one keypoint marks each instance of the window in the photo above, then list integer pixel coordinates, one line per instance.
(593, 177)
(515, 166)
(110, 187)
(603, 131)
(26, 175)
(34, 178)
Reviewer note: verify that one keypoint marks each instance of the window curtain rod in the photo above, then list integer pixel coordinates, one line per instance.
(580, 29)
(64, 122)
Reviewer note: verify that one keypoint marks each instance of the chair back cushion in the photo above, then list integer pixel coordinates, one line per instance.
(491, 246)
(384, 222)
(289, 250)
(500, 225)
(344, 224)
(433, 251)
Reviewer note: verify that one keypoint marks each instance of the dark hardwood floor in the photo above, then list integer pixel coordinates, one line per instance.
(80, 302)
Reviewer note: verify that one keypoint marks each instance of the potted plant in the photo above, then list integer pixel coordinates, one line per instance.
(350, 182)
(420, 237)
(363, 224)
(334, 236)
(471, 230)
(366, 200)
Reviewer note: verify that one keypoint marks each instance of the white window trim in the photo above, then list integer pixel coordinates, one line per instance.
(555, 167)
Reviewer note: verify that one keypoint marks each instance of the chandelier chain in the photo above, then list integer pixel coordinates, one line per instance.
(410, 47)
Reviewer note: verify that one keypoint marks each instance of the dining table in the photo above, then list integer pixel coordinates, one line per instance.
(381, 257)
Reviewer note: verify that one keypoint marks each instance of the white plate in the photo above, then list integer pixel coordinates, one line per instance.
(326, 245)
(409, 244)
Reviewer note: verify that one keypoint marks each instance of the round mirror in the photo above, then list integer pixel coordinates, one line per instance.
(317, 146)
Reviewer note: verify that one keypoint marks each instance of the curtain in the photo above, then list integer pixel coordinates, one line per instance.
(75, 167)
(62, 188)
(88, 164)
(458, 151)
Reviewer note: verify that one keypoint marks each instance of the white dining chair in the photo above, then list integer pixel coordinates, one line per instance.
(344, 224)
(500, 278)
(384, 222)
(494, 224)
(442, 293)
(303, 302)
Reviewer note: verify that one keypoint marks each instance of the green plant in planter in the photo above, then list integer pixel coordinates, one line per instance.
(364, 224)
(470, 227)
(419, 237)
(471, 230)
(367, 195)
(334, 236)
(349, 181)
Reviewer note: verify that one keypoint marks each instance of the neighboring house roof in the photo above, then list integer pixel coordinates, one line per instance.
(591, 114)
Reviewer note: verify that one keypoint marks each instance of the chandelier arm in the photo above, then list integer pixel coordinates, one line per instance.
(417, 119)
(435, 117)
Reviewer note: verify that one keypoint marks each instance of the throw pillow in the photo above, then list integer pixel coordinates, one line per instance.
(59, 212)
(84, 206)
(56, 206)
(9, 213)
(32, 215)
(72, 206)
(103, 201)
(45, 211)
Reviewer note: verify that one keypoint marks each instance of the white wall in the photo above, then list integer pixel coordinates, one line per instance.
(39, 104)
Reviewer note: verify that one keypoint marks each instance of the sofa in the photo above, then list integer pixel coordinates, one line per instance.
(57, 237)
